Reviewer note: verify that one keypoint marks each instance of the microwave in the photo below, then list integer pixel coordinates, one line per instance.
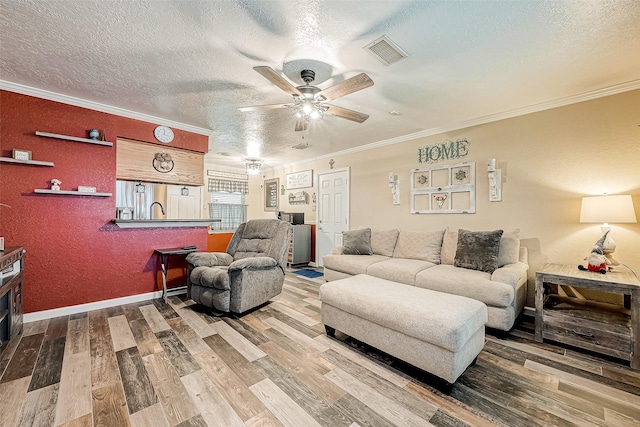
(290, 217)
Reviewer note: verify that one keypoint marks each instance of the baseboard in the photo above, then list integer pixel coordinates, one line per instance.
(81, 308)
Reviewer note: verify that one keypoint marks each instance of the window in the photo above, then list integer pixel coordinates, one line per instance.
(227, 202)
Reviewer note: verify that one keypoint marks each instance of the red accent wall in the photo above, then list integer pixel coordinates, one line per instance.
(75, 254)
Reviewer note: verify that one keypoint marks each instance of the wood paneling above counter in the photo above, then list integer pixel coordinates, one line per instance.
(134, 162)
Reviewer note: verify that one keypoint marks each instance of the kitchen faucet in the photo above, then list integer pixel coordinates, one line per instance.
(151, 210)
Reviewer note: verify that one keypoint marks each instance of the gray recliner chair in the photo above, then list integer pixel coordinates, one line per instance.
(248, 274)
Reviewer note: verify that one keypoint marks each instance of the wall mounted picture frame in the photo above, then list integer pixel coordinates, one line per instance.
(444, 189)
(303, 179)
(19, 154)
(271, 187)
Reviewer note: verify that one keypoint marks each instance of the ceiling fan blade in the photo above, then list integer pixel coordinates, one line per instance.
(301, 125)
(275, 78)
(353, 84)
(346, 114)
(263, 107)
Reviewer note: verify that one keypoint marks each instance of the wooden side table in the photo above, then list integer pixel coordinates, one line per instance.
(563, 315)
(165, 254)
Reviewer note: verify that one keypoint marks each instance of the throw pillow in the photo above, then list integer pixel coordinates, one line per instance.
(423, 245)
(384, 242)
(357, 242)
(509, 247)
(478, 250)
(449, 247)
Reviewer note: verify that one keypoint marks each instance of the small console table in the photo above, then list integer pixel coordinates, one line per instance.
(565, 316)
(165, 254)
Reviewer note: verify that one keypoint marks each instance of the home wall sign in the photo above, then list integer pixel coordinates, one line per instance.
(444, 189)
(302, 179)
(271, 194)
(446, 150)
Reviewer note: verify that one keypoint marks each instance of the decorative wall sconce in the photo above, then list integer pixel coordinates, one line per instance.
(394, 184)
(184, 191)
(495, 181)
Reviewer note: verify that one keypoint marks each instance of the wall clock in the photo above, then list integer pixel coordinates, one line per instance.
(163, 134)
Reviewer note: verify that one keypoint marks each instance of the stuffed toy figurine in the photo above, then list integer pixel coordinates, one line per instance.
(597, 261)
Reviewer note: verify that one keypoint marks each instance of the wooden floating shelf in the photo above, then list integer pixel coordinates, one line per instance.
(25, 162)
(70, 192)
(75, 138)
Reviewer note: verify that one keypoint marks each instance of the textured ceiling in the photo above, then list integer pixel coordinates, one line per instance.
(191, 61)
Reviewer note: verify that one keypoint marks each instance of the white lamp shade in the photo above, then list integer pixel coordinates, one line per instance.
(613, 209)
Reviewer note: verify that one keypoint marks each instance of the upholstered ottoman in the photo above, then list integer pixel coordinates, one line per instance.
(437, 332)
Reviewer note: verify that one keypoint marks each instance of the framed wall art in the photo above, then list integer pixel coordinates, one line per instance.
(271, 194)
(444, 189)
(302, 179)
(19, 154)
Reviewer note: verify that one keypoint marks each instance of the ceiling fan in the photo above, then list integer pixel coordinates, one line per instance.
(309, 102)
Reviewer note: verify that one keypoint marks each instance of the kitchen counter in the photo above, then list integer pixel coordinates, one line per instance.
(153, 223)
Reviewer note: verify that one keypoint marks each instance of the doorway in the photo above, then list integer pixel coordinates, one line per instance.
(333, 210)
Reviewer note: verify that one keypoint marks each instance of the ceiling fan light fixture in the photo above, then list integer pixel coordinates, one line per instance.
(253, 167)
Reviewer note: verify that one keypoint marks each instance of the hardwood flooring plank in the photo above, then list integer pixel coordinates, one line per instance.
(292, 323)
(145, 338)
(35, 328)
(156, 321)
(255, 337)
(313, 301)
(313, 404)
(189, 338)
(121, 334)
(307, 373)
(39, 407)
(132, 311)
(598, 399)
(281, 405)
(164, 309)
(551, 416)
(24, 358)
(366, 416)
(296, 335)
(240, 343)
(182, 361)
(153, 416)
(173, 397)
(199, 326)
(196, 421)
(83, 421)
(230, 385)
(78, 335)
(619, 420)
(104, 366)
(137, 386)
(213, 407)
(254, 323)
(14, 394)
(380, 370)
(57, 328)
(110, 406)
(49, 365)
(244, 369)
(263, 419)
(114, 311)
(7, 354)
(74, 397)
(295, 313)
(381, 404)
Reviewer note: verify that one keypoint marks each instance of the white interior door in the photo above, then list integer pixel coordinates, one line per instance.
(333, 210)
(179, 206)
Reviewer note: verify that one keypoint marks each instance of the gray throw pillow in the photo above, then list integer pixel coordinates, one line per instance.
(357, 242)
(478, 250)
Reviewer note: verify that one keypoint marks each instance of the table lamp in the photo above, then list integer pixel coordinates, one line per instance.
(608, 209)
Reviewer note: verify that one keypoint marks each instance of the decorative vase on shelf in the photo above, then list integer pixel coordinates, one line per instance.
(55, 184)
(94, 134)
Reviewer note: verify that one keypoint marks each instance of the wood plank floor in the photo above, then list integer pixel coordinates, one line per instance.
(157, 364)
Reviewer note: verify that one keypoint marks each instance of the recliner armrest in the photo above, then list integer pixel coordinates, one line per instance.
(253, 262)
(209, 259)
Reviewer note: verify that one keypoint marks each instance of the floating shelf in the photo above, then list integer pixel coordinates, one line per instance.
(74, 138)
(25, 162)
(70, 192)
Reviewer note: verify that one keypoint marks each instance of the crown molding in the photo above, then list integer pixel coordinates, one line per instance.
(534, 108)
(91, 105)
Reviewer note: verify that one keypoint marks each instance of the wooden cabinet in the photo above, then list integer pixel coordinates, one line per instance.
(564, 316)
(12, 277)
(300, 245)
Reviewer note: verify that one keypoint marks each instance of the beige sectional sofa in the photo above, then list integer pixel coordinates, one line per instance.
(442, 261)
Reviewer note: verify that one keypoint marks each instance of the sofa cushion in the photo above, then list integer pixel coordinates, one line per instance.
(384, 242)
(509, 251)
(399, 269)
(424, 245)
(449, 246)
(357, 242)
(351, 264)
(468, 283)
(478, 250)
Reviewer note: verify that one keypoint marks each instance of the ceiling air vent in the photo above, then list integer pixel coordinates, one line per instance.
(301, 146)
(386, 51)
